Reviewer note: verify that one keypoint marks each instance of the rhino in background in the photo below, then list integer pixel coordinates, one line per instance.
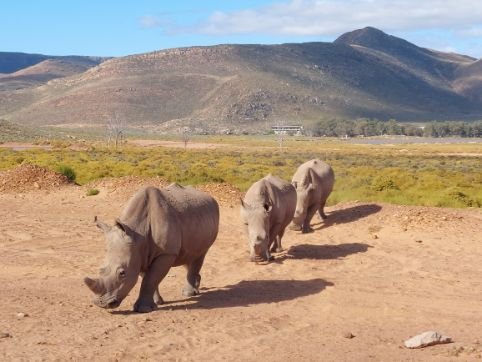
(314, 182)
(158, 229)
(267, 208)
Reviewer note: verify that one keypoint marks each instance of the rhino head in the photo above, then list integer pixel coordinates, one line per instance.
(303, 196)
(256, 220)
(121, 269)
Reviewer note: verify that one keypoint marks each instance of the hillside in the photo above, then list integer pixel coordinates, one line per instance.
(45, 70)
(365, 73)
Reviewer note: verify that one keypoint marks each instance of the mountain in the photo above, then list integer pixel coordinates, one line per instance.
(28, 70)
(364, 73)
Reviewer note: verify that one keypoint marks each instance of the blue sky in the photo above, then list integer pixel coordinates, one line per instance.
(116, 28)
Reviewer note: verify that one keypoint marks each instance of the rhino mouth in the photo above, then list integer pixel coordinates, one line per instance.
(110, 303)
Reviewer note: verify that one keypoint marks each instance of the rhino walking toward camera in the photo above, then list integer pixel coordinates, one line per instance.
(158, 229)
(314, 182)
(267, 208)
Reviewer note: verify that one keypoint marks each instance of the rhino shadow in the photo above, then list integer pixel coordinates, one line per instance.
(249, 292)
(243, 294)
(345, 216)
(323, 252)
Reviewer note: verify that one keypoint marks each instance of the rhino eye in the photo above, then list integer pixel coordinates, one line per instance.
(122, 273)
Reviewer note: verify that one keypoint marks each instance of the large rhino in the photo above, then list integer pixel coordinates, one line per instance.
(158, 229)
(267, 208)
(314, 182)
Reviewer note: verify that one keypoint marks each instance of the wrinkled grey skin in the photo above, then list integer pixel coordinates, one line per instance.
(158, 229)
(314, 182)
(267, 208)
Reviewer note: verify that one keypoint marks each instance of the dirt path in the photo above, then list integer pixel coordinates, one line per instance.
(380, 272)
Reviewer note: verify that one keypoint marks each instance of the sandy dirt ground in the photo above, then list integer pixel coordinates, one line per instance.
(374, 272)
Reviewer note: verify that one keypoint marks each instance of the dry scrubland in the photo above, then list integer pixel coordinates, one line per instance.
(417, 174)
(370, 276)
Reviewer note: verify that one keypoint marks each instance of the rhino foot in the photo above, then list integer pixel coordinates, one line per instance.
(158, 299)
(307, 230)
(189, 291)
(143, 307)
(294, 227)
(276, 250)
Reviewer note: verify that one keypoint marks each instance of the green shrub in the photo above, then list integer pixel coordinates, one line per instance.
(384, 184)
(67, 171)
(92, 192)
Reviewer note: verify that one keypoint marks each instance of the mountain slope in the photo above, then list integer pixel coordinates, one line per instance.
(45, 70)
(365, 73)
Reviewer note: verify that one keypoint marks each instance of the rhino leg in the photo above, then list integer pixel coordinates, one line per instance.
(193, 277)
(276, 241)
(149, 287)
(309, 215)
(321, 210)
(157, 297)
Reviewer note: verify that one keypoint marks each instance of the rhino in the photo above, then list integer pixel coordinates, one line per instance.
(158, 229)
(267, 208)
(314, 182)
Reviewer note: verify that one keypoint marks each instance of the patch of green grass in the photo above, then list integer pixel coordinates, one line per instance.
(67, 171)
(432, 175)
(92, 192)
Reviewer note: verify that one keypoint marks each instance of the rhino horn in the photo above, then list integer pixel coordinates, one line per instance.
(101, 225)
(93, 285)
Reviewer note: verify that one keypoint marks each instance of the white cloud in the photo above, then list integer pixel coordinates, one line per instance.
(149, 21)
(333, 17)
(473, 32)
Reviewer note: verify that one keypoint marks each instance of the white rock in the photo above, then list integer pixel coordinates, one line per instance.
(427, 339)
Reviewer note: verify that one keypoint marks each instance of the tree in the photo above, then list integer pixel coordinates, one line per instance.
(185, 135)
(115, 130)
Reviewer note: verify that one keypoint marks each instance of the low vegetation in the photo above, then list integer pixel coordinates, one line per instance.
(92, 192)
(433, 175)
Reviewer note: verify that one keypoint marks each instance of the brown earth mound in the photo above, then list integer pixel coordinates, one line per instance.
(224, 193)
(27, 177)
(128, 185)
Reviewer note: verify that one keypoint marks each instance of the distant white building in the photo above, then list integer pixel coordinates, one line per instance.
(296, 130)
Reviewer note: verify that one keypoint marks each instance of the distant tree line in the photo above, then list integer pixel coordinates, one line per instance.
(373, 127)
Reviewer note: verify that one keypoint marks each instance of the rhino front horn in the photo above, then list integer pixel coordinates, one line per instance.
(93, 284)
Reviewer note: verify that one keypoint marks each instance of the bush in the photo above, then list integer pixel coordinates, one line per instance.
(92, 192)
(384, 184)
(67, 172)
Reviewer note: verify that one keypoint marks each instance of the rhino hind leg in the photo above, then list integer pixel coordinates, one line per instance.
(193, 277)
(321, 210)
(309, 215)
(157, 297)
(276, 242)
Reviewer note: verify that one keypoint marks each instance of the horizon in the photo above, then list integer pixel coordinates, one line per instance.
(108, 29)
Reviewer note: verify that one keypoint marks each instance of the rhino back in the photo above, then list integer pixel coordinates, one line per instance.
(198, 214)
(175, 220)
(304, 174)
(284, 200)
(276, 192)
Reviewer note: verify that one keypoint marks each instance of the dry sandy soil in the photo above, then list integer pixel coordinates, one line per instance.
(377, 273)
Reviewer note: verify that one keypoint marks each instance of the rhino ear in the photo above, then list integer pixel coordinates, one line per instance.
(120, 225)
(268, 207)
(310, 187)
(103, 226)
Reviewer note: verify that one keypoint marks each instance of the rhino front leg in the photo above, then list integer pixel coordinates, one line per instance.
(149, 287)
(193, 277)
